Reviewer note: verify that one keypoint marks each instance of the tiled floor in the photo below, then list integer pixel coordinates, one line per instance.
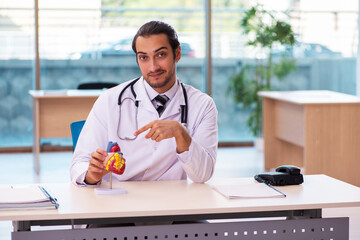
(231, 162)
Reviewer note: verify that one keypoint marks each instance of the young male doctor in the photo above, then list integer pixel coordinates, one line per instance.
(155, 144)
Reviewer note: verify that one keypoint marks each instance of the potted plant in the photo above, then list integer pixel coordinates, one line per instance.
(264, 31)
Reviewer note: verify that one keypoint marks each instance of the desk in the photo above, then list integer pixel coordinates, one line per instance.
(53, 111)
(181, 200)
(317, 130)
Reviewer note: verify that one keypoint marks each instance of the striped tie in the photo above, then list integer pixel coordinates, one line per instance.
(161, 101)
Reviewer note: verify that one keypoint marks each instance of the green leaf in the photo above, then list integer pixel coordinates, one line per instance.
(267, 31)
(284, 67)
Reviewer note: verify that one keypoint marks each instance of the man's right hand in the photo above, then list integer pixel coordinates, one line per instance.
(96, 169)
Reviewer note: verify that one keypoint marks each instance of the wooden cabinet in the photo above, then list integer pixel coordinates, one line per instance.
(316, 130)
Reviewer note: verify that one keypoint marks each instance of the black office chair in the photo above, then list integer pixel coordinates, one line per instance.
(76, 128)
(96, 85)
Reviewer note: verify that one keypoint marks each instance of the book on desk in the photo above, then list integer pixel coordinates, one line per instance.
(26, 197)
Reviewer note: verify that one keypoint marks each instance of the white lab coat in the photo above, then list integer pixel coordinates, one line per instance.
(148, 160)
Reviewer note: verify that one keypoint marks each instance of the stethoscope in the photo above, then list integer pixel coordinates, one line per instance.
(184, 108)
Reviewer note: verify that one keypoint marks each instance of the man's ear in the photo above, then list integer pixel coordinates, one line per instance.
(178, 53)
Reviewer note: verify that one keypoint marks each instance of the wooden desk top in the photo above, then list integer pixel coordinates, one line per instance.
(164, 198)
(64, 93)
(310, 97)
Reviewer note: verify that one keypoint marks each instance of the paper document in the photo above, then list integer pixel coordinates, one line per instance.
(250, 190)
(26, 197)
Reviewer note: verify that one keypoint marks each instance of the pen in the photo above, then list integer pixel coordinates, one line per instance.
(275, 189)
(259, 179)
(53, 200)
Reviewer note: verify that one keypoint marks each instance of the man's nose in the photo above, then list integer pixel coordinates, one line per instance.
(154, 65)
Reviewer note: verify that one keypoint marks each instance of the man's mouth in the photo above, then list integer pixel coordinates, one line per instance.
(156, 74)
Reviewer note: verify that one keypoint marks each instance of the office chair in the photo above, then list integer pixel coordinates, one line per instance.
(96, 85)
(76, 128)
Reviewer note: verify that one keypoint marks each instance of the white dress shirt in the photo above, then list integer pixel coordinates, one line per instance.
(148, 160)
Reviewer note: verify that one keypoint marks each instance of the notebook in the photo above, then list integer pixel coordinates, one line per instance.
(26, 197)
(248, 190)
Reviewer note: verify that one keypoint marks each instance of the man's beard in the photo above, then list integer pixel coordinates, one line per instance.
(162, 84)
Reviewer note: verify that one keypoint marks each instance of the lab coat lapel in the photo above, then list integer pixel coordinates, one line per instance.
(174, 105)
(146, 110)
(143, 98)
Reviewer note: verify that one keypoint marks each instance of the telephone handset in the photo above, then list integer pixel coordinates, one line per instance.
(283, 175)
(292, 170)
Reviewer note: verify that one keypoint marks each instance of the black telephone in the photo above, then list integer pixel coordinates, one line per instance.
(283, 175)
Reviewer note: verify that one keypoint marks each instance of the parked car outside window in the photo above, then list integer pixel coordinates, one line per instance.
(119, 49)
(304, 50)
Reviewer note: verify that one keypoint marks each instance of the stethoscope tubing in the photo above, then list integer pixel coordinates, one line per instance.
(132, 90)
(184, 108)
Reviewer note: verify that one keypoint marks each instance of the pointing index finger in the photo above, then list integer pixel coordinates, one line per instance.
(143, 129)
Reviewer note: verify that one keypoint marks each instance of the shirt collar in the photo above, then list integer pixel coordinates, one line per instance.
(169, 93)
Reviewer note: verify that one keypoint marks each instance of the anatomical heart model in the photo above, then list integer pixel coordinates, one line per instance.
(116, 163)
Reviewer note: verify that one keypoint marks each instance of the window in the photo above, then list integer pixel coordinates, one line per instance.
(16, 72)
(325, 53)
(90, 41)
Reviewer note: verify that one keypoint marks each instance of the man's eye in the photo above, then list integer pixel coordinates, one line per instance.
(162, 54)
(142, 57)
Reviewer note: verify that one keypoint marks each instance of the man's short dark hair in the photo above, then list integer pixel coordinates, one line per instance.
(154, 28)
